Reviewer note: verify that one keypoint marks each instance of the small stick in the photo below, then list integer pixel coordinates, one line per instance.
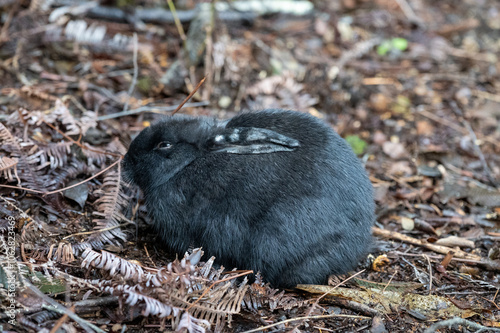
(136, 73)
(83, 181)
(448, 323)
(433, 247)
(100, 230)
(454, 126)
(311, 309)
(430, 272)
(62, 320)
(147, 109)
(305, 318)
(22, 189)
(390, 280)
(78, 143)
(190, 95)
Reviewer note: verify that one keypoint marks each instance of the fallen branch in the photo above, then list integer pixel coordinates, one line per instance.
(490, 264)
(162, 16)
(55, 306)
(460, 321)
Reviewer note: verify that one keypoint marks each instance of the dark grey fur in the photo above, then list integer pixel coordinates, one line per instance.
(274, 191)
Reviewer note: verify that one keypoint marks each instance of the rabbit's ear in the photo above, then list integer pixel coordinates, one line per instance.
(250, 140)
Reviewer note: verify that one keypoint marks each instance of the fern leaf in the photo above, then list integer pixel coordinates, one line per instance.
(27, 171)
(110, 205)
(8, 166)
(54, 155)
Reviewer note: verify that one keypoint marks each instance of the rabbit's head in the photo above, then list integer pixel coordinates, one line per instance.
(159, 152)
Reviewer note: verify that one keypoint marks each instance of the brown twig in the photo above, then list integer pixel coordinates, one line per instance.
(209, 45)
(469, 257)
(433, 247)
(61, 320)
(153, 109)
(390, 280)
(4, 35)
(83, 181)
(65, 188)
(305, 318)
(338, 285)
(409, 13)
(99, 230)
(22, 189)
(79, 144)
(448, 323)
(430, 272)
(190, 95)
(315, 304)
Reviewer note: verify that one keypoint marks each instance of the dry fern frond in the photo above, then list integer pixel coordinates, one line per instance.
(60, 113)
(54, 155)
(109, 206)
(21, 116)
(216, 305)
(176, 278)
(9, 142)
(94, 157)
(64, 253)
(101, 157)
(8, 166)
(115, 146)
(260, 294)
(70, 171)
(80, 31)
(113, 265)
(28, 172)
(172, 290)
(116, 266)
(33, 231)
(191, 324)
(87, 121)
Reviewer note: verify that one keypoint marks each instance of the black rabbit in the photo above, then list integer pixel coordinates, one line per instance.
(273, 191)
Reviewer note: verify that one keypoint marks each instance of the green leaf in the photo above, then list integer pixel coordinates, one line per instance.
(145, 84)
(383, 48)
(358, 145)
(400, 44)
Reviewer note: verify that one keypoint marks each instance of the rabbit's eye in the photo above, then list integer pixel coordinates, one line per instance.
(164, 145)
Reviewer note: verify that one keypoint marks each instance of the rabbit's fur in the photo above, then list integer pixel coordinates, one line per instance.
(273, 191)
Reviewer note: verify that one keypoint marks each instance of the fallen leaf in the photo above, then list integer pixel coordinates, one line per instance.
(424, 128)
(394, 150)
(380, 262)
(407, 223)
(453, 241)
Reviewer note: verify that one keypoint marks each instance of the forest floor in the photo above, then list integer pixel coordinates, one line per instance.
(412, 85)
